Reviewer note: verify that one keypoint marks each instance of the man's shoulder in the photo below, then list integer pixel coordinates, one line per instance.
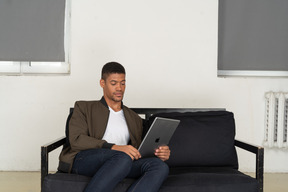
(88, 104)
(130, 112)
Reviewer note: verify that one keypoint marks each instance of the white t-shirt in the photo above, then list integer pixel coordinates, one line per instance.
(117, 129)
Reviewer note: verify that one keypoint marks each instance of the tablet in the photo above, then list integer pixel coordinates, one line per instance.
(159, 134)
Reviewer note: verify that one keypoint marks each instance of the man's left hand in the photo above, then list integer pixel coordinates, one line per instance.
(163, 153)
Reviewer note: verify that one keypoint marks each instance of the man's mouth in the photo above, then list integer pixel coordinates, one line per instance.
(118, 94)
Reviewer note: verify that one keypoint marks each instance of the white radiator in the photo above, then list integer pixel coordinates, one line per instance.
(276, 120)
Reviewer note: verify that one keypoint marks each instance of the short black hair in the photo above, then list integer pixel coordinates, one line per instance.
(112, 67)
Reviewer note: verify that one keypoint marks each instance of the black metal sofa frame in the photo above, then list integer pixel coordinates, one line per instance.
(148, 112)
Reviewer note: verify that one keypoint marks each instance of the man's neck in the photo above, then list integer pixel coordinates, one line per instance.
(116, 106)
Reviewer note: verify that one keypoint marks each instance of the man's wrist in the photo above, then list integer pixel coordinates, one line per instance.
(108, 145)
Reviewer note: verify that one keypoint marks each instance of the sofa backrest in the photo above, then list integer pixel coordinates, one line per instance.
(202, 139)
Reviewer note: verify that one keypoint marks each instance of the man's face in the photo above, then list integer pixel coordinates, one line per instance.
(114, 87)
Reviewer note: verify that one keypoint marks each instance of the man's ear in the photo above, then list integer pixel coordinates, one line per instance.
(102, 82)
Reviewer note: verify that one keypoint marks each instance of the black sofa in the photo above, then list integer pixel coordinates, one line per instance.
(203, 155)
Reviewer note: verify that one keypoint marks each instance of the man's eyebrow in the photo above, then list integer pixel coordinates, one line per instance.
(118, 81)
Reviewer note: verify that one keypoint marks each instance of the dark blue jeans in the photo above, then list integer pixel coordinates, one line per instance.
(108, 167)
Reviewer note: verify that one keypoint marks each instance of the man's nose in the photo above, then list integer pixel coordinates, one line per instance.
(118, 87)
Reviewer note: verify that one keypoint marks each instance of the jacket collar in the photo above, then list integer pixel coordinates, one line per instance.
(103, 101)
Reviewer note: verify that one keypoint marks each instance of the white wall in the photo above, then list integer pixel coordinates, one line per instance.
(169, 49)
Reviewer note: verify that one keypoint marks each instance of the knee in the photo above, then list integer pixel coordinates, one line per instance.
(123, 160)
(164, 168)
(160, 166)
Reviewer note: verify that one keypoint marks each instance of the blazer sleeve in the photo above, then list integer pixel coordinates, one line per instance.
(79, 137)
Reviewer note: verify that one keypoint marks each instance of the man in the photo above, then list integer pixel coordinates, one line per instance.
(104, 136)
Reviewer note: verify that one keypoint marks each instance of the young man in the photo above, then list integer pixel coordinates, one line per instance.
(104, 136)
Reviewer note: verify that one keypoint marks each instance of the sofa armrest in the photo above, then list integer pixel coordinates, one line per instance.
(259, 152)
(45, 150)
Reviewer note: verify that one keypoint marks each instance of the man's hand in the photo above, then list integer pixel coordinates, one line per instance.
(129, 150)
(163, 153)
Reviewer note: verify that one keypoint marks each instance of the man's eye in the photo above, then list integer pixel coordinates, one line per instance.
(123, 83)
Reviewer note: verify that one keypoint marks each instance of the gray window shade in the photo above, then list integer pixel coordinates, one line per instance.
(32, 30)
(253, 35)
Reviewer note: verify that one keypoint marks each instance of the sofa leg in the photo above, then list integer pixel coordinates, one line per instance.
(260, 167)
(44, 164)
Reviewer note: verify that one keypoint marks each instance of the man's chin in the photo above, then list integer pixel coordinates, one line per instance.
(117, 99)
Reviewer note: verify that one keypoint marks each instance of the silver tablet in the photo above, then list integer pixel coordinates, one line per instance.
(159, 134)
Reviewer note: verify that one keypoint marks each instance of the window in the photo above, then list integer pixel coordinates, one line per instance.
(41, 48)
(253, 38)
(28, 68)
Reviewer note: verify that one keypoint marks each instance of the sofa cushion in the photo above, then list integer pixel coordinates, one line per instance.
(199, 179)
(202, 139)
(61, 182)
(65, 182)
(203, 179)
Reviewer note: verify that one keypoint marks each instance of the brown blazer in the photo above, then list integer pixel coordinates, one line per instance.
(87, 127)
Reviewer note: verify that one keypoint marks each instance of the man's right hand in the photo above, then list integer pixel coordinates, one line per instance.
(129, 150)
